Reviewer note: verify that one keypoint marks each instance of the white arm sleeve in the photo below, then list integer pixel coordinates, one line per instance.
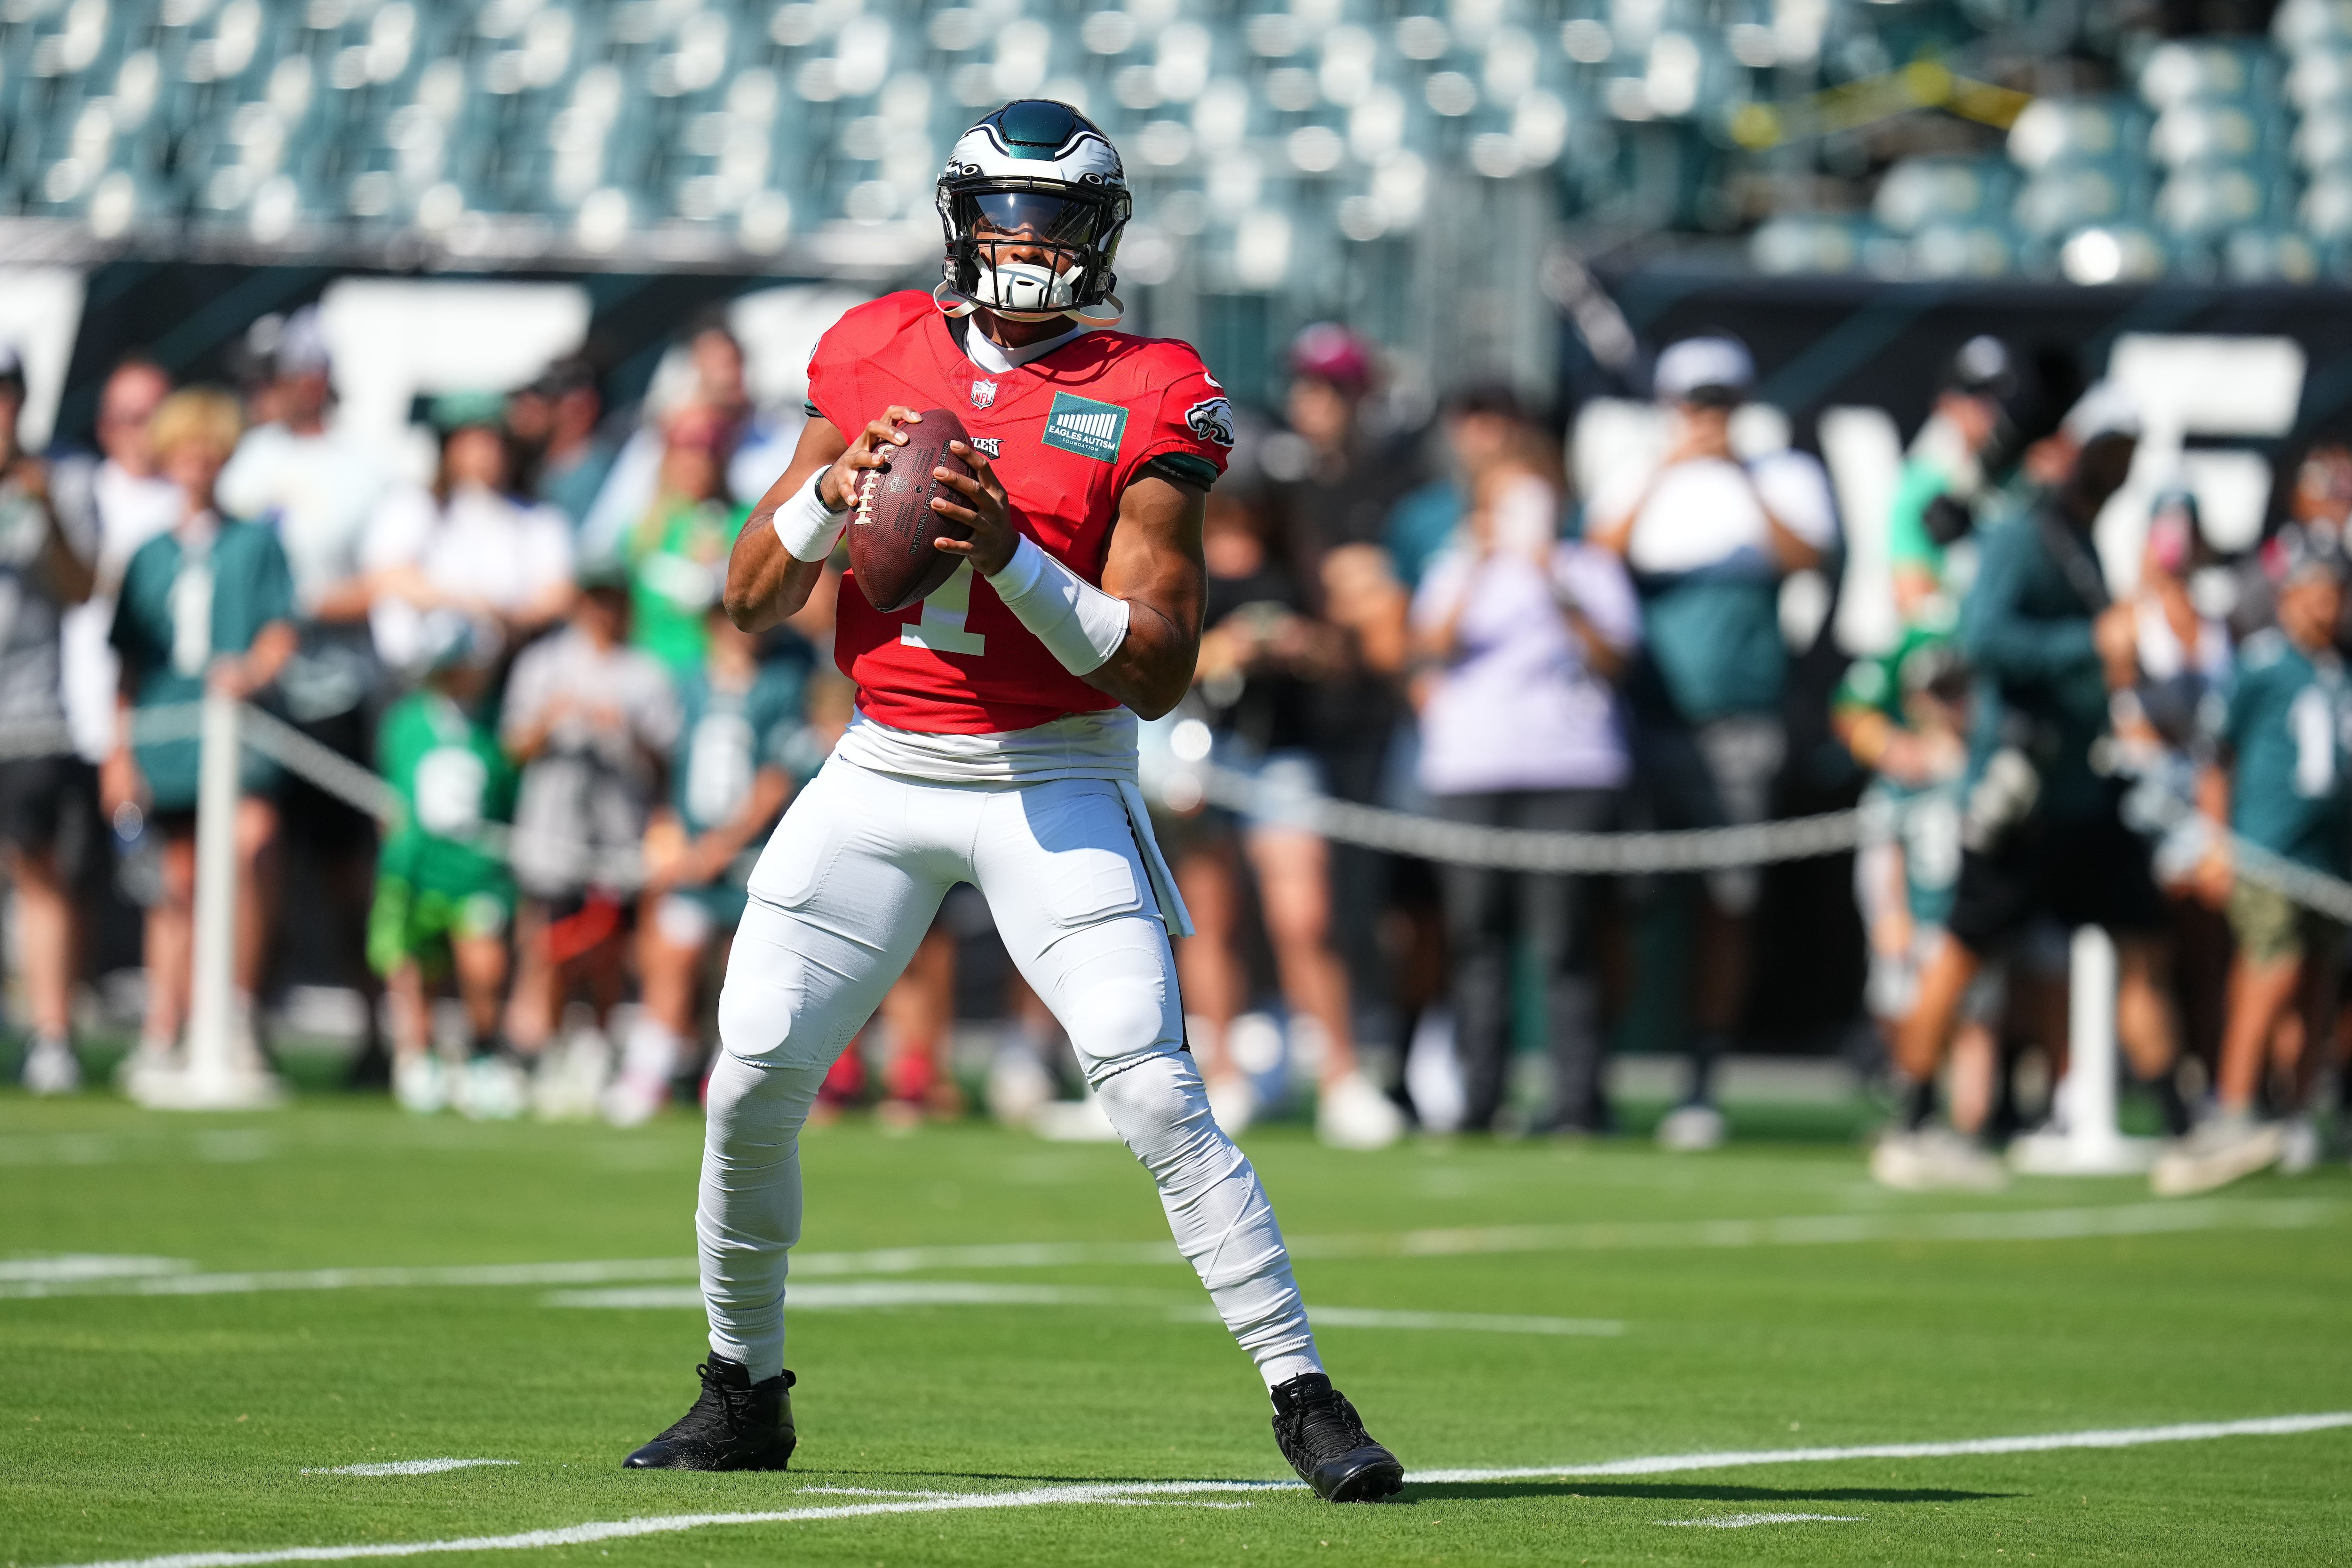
(1079, 623)
(808, 528)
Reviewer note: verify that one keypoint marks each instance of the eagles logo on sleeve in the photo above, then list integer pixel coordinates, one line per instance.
(1211, 419)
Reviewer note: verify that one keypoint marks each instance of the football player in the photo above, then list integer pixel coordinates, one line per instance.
(995, 744)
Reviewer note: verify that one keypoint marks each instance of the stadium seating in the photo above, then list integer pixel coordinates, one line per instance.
(1274, 132)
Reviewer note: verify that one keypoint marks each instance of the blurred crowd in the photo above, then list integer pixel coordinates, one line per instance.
(527, 650)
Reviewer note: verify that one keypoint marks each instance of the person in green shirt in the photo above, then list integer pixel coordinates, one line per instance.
(207, 606)
(733, 770)
(444, 898)
(2281, 785)
(1944, 477)
(677, 554)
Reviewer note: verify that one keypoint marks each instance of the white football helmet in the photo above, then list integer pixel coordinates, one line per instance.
(1039, 180)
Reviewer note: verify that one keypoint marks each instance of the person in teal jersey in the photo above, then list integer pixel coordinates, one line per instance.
(2281, 785)
(445, 900)
(734, 769)
(209, 605)
(1905, 715)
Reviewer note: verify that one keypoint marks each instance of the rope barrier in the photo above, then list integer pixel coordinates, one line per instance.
(1529, 849)
(1344, 821)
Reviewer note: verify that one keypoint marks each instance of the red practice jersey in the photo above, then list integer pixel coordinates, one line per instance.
(1067, 434)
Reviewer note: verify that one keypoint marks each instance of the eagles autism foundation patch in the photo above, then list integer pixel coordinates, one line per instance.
(1088, 428)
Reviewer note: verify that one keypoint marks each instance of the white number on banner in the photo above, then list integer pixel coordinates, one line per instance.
(450, 782)
(719, 767)
(941, 628)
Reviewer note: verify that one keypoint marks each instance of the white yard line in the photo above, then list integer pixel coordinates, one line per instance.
(862, 1295)
(73, 1267)
(1126, 1492)
(2038, 1443)
(1742, 1520)
(1834, 1229)
(1602, 1236)
(407, 1468)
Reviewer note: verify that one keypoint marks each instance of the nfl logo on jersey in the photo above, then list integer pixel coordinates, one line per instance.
(984, 392)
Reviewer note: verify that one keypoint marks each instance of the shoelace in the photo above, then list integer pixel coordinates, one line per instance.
(1330, 1420)
(739, 1404)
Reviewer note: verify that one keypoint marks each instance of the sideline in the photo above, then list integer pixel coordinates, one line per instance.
(36, 1279)
(1129, 1493)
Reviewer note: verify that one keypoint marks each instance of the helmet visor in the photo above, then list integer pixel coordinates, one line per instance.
(1041, 217)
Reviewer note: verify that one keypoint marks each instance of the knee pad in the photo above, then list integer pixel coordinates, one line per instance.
(1117, 1019)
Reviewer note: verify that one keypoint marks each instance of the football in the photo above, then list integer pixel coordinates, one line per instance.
(890, 534)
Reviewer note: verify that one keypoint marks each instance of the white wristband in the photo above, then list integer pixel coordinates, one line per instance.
(1079, 623)
(808, 528)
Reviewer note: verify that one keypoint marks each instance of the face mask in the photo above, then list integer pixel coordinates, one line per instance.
(1027, 285)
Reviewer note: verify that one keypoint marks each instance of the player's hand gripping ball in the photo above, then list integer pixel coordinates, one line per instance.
(891, 552)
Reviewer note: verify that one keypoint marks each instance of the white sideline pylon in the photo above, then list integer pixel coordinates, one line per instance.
(222, 1067)
(2089, 1142)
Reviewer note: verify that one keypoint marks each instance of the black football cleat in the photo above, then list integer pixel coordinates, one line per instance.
(736, 1425)
(1325, 1442)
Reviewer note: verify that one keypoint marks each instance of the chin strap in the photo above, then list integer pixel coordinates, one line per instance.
(1102, 313)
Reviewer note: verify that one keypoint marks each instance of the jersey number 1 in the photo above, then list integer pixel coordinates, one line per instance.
(941, 628)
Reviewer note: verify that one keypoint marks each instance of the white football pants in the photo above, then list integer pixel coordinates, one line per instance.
(842, 893)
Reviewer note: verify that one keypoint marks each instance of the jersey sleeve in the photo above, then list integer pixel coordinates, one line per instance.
(836, 390)
(1190, 436)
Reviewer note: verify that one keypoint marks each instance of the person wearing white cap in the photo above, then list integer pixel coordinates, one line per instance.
(2044, 834)
(48, 802)
(1709, 536)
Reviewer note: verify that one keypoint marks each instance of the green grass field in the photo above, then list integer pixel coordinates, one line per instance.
(1489, 1307)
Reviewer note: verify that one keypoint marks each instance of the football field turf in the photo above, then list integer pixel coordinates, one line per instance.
(205, 1324)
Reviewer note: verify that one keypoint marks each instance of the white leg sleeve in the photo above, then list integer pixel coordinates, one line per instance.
(1071, 900)
(803, 974)
(748, 1215)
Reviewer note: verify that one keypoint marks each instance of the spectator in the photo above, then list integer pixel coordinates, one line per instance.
(1524, 635)
(2163, 723)
(443, 901)
(730, 776)
(1709, 538)
(677, 553)
(118, 501)
(592, 721)
(318, 487)
(466, 548)
(560, 417)
(753, 450)
(2280, 785)
(207, 605)
(1336, 480)
(1945, 478)
(1259, 656)
(48, 806)
(1483, 423)
(2044, 833)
